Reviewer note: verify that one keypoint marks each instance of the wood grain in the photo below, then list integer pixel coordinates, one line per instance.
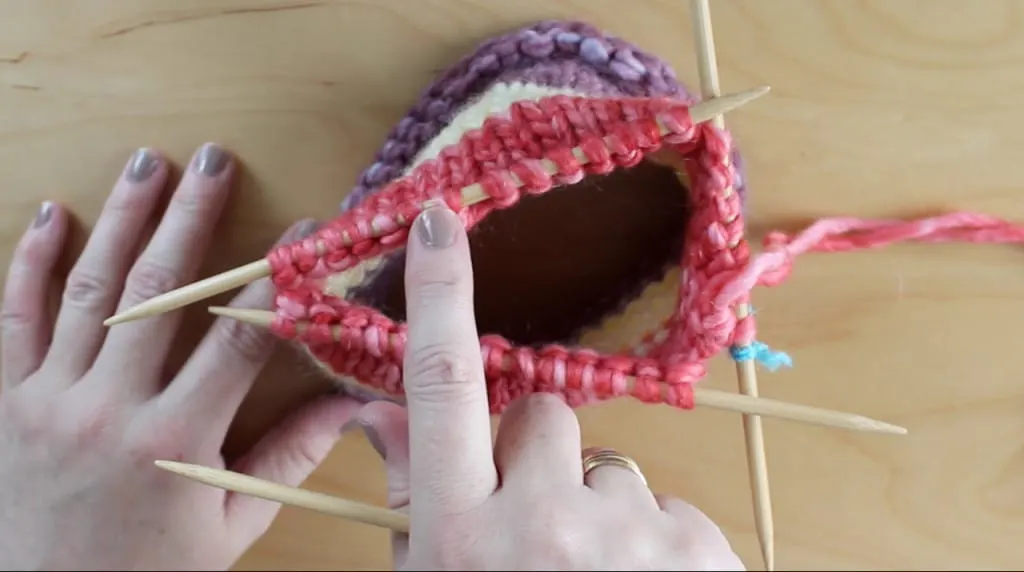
(881, 108)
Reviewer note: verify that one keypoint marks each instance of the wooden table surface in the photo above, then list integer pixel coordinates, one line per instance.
(880, 109)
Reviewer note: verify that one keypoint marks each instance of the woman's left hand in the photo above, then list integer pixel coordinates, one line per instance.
(84, 410)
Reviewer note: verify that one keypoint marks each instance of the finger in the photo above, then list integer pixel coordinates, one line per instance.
(614, 481)
(450, 454)
(171, 259)
(95, 281)
(538, 445)
(216, 378)
(288, 454)
(698, 529)
(26, 326)
(386, 426)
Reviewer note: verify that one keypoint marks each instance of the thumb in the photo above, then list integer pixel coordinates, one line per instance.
(386, 425)
(288, 454)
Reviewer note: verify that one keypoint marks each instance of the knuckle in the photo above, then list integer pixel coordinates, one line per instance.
(28, 423)
(14, 319)
(305, 455)
(439, 371)
(691, 528)
(674, 506)
(92, 425)
(545, 412)
(245, 340)
(433, 286)
(684, 512)
(195, 201)
(125, 205)
(189, 199)
(451, 551)
(149, 279)
(557, 543)
(163, 439)
(451, 556)
(647, 547)
(86, 289)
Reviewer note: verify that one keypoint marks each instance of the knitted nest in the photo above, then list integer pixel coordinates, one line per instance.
(588, 193)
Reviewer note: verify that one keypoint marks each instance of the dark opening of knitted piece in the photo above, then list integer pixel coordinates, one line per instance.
(583, 147)
(557, 264)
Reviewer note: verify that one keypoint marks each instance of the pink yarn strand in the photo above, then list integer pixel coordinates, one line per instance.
(843, 234)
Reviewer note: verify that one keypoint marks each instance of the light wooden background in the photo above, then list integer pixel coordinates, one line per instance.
(884, 108)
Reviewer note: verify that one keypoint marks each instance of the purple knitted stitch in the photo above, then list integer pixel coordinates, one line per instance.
(561, 54)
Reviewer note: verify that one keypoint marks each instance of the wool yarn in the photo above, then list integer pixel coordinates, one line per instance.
(494, 120)
(556, 56)
(525, 121)
(548, 58)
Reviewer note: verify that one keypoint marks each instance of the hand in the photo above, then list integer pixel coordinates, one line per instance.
(523, 503)
(84, 411)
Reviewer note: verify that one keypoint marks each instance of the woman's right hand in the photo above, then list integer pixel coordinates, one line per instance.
(523, 502)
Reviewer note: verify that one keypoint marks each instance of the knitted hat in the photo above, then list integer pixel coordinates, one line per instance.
(607, 213)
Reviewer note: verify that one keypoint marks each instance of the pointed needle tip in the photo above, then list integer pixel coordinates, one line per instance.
(883, 427)
(114, 320)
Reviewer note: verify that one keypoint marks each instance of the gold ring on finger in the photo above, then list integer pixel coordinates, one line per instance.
(596, 457)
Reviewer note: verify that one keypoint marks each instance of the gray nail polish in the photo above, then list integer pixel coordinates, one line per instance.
(44, 214)
(374, 439)
(369, 431)
(210, 160)
(306, 228)
(437, 226)
(142, 166)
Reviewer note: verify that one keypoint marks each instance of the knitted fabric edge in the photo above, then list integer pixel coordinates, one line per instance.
(590, 136)
(551, 53)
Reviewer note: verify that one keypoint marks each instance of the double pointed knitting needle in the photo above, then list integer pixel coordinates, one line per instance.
(746, 372)
(293, 496)
(472, 194)
(702, 397)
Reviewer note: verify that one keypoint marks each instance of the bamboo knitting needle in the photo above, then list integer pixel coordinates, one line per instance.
(472, 194)
(702, 397)
(746, 372)
(293, 496)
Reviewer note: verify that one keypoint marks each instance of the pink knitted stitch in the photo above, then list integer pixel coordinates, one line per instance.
(505, 157)
(553, 53)
(612, 133)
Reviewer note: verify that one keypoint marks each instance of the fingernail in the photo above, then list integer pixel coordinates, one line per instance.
(374, 439)
(437, 226)
(306, 228)
(44, 214)
(210, 160)
(369, 431)
(142, 165)
(298, 231)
